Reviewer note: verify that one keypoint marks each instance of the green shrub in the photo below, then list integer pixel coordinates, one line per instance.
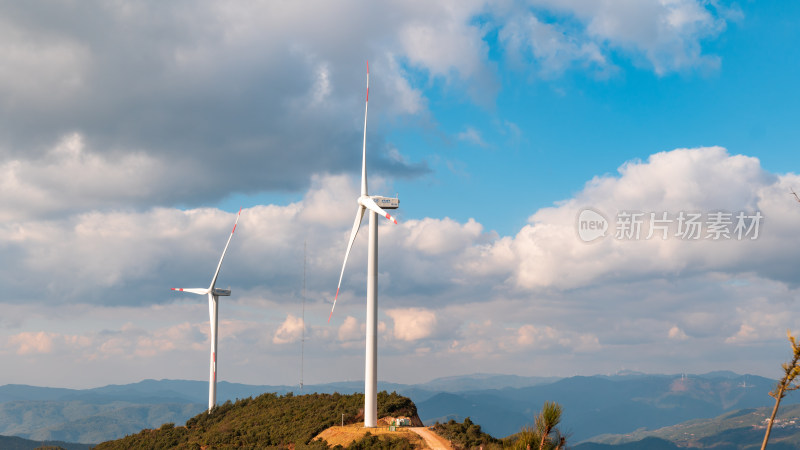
(467, 435)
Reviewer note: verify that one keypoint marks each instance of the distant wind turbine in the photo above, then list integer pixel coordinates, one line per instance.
(365, 201)
(213, 301)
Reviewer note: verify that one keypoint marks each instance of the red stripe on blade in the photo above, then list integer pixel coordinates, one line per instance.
(334, 305)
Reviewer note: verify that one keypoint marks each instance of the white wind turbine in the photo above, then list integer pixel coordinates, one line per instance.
(365, 201)
(213, 301)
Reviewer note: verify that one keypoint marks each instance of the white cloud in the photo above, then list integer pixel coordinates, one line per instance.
(667, 33)
(122, 246)
(183, 98)
(543, 291)
(528, 335)
(181, 337)
(745, 334)
(472, 136)
(83, 256)
(441, 236)
(99, 147)
(409, 100)
(32, 343)
(443, 39)
(69, 177)
(554, 49)
(137, 340)
(676, 334)
(321, 89)
(291, 330)
(350, 330)
(91, 129)
(412, 324)
(703, 180)
(544, 338)
(129, 341)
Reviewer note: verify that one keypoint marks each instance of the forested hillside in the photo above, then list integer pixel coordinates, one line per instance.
(264, 421)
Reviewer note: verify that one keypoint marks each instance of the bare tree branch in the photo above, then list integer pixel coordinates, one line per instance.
(788, 383)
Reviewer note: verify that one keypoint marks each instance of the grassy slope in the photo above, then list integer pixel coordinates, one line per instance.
(268, 420)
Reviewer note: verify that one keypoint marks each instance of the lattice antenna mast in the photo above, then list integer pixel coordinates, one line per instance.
(303, 320)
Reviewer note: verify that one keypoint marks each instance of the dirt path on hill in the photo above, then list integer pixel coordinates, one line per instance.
(345, 436)
(434, 441)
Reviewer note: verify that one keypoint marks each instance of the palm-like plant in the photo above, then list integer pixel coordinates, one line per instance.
(545, 433)
(546, 423)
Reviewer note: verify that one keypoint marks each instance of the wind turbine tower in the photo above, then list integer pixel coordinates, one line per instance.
(376, 205)
(213, 302)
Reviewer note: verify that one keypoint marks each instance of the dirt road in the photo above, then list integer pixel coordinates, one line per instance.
(433, 440)
(420, 437)
(345, 436)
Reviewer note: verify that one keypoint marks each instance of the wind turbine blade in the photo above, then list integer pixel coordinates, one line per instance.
(216, 273)
(364, 147)
(201, 291)
(370, 203)
(353, 233)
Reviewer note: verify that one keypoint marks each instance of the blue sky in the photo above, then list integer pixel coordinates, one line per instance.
(132, 133)
(540, 118)
(574, 125)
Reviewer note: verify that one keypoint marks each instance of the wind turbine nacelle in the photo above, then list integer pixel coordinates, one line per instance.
(386, 202)
(222, 292)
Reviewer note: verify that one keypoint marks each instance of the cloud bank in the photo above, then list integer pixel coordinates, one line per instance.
(122, 123)
(186, 103)
(448, 289)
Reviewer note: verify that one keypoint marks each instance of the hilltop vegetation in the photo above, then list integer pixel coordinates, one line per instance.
(380, 443)
(466, 435)
(268, 420)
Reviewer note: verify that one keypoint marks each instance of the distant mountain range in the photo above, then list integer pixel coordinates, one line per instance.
(501, 404)
(110, 412)
(604, 404)
(18, 443)
(737, 430)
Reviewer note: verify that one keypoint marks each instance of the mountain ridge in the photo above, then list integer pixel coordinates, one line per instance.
(736, 430)
(639, 400)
